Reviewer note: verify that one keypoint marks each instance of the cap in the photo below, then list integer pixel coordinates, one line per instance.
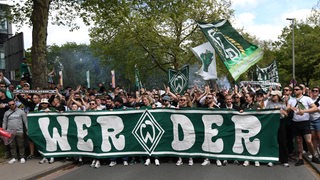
(26, 84)
(44, 101)
(276, 93)
(166, 98)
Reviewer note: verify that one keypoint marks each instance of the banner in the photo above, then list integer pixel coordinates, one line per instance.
(179, 80)
(205, 53)
(137, 78)
(237, 54)
(269, 73)
(221, 134)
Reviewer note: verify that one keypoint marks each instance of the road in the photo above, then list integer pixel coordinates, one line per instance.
(170, 171)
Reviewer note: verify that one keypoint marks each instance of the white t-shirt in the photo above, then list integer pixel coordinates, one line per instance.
(316, 115)
(304, 102)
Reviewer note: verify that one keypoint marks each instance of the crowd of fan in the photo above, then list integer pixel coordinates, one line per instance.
(240, 99)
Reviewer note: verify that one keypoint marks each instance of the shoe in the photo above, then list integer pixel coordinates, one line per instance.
(22, 161)
(93, 163)
(43, 160)
(97, 165)
(225, 162)
(157, 162)
(218, 162)
(190, 162)
(286, 165)
(112, 163)
(179, 162)
(206, 162)
(30, 156)
(51, 160)
(246, 163)
(270, 164)
(236, 162)
(13, 160)
(315, 160)
(148, 162)
(299, 162)
(256, 164)
(125, 163)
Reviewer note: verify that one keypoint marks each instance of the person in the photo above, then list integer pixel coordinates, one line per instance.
(14, 120)
(315, 119)
(275, 102)
(302, 107)
(250, 104)
(25, 71)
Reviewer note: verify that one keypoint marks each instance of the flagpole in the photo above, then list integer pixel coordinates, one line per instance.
(293, 60)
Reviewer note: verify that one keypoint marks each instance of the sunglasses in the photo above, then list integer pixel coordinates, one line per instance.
(236, 97)
(10, 104)
(182, 100)
(92, 103)
(208, 98)
(297, 89)
(314, 90)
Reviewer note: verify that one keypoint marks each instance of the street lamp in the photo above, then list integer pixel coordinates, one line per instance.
(293, 62)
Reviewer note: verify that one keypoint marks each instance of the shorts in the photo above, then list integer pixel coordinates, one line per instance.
(301, 128)
(315, 125)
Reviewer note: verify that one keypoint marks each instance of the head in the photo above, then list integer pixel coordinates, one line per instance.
(298, 90)
(236, 98)
(92, 105)
(74, 107)
(209, 99)
(26, 86)
(276, 96)
(44, 103)
(166, 100)
(249, 97)
(315, 92)
(36, 98)
(2, 85)
(228, 99)
(287, 91)
(12, 105)
(183, 101)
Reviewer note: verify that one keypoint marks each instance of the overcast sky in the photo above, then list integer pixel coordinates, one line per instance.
(262, 18)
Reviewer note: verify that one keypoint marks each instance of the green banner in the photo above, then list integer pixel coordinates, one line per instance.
(237, 54)
(179, 80)
(221, 134)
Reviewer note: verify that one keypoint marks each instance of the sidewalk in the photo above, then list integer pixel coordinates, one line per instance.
(315, 166)
(30, 170)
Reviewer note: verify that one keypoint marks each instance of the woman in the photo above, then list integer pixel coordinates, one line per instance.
(276, 103)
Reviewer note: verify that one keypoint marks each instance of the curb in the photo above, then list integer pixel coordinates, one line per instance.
(48, 171)
(313, 165)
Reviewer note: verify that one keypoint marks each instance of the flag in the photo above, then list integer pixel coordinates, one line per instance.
(237, 54)
(269, 73)
(178, 80)
(113, 79)
(205, 53)
(137, 78)
(88, 78)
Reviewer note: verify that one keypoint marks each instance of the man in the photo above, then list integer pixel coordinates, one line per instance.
(302, 107)
(315, 119)
(13, 120)
(229, 104)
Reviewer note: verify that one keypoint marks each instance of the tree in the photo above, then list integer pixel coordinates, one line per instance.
(36, 13)
(151, 34)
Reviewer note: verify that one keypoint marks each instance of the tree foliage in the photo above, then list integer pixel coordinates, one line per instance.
(155, 35)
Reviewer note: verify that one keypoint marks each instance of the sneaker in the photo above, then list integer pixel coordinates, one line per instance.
(179, 162)
(225, 162)
(299, 162)
(236, 162)
(13, 160)
(246, 163)
(286, 165)
(256, 164)
(218, 162)
(112, 163)
(97, 165)
(43, 160)
(148, 162)
(22, 161)
(315, 160)
(51, 160)
(270, 164)
(157, 162)
(125, 163)
(206, 162)
(93, 163)
(190, 162)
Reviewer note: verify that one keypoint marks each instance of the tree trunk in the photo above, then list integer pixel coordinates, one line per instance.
(39, 19)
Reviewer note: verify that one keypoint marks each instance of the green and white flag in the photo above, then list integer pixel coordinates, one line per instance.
(137, 78)
(269, 73)
(237, 54)
(219, 134)
(205, 53)
(179, 80)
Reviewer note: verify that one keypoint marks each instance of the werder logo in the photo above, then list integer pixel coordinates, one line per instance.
(178, 80)
(148, 132)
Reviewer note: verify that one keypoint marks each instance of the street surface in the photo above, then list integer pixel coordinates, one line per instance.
(170, 171)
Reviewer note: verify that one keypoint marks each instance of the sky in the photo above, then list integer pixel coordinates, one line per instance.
(262, 18)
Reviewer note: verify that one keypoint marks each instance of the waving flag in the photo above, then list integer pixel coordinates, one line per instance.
(269, 73)
(205, 53)
(178, 80)
(237, 54)
(137, 78)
